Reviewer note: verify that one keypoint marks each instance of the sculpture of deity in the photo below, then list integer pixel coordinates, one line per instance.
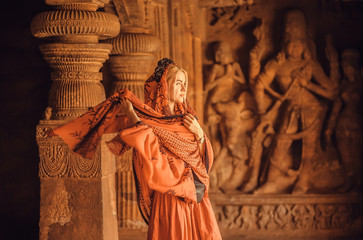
(300, 80)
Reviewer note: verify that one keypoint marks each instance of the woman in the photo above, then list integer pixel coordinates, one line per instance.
(171, 155)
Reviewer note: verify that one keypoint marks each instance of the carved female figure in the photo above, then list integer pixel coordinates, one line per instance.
(347, 119)
(225, 82)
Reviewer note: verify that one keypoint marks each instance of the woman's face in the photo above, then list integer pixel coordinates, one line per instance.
(177, 88)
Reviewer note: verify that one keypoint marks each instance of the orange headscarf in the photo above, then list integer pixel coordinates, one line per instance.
(156, 92)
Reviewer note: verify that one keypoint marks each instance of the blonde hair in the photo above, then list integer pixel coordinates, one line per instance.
(173, 70)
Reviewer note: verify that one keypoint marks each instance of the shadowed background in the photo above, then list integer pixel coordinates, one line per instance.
(24, 87)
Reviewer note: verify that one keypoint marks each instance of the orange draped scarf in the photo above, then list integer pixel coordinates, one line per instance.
(166, 154)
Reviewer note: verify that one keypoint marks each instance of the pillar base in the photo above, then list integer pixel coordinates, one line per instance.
(77, 195)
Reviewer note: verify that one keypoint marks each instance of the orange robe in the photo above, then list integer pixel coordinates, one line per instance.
(167, 164)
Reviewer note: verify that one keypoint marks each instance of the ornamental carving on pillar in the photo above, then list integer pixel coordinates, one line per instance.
(56, 160)
(130, 63)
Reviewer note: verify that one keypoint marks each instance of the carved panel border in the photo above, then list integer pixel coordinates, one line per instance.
(311, 216)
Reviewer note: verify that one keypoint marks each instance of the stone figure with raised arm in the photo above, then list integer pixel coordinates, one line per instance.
(298, 109)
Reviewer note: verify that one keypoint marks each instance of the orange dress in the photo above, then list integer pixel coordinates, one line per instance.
(170, 175)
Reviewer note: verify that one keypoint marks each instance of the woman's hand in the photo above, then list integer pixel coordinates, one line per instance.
(192, 124)
(127, 109)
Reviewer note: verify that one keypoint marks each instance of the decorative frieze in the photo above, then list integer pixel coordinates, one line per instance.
(89, 76)
(75, 22)
(277, 216)
(223, 3)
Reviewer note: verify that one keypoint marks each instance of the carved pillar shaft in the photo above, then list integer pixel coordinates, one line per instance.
(131, 62)
(78, 197)
(128, 212)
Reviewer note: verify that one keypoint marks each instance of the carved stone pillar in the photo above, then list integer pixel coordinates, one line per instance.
(131, 59)
(78, 199)
(131, 62)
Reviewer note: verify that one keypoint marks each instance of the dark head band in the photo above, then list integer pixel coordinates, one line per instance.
(162, 65)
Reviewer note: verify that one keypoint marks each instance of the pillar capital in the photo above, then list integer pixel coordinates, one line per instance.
(75, 54)
(91, 5)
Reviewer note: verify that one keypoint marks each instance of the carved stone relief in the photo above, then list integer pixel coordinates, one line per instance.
(56, 160)
(301, 114)
(290, 98)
